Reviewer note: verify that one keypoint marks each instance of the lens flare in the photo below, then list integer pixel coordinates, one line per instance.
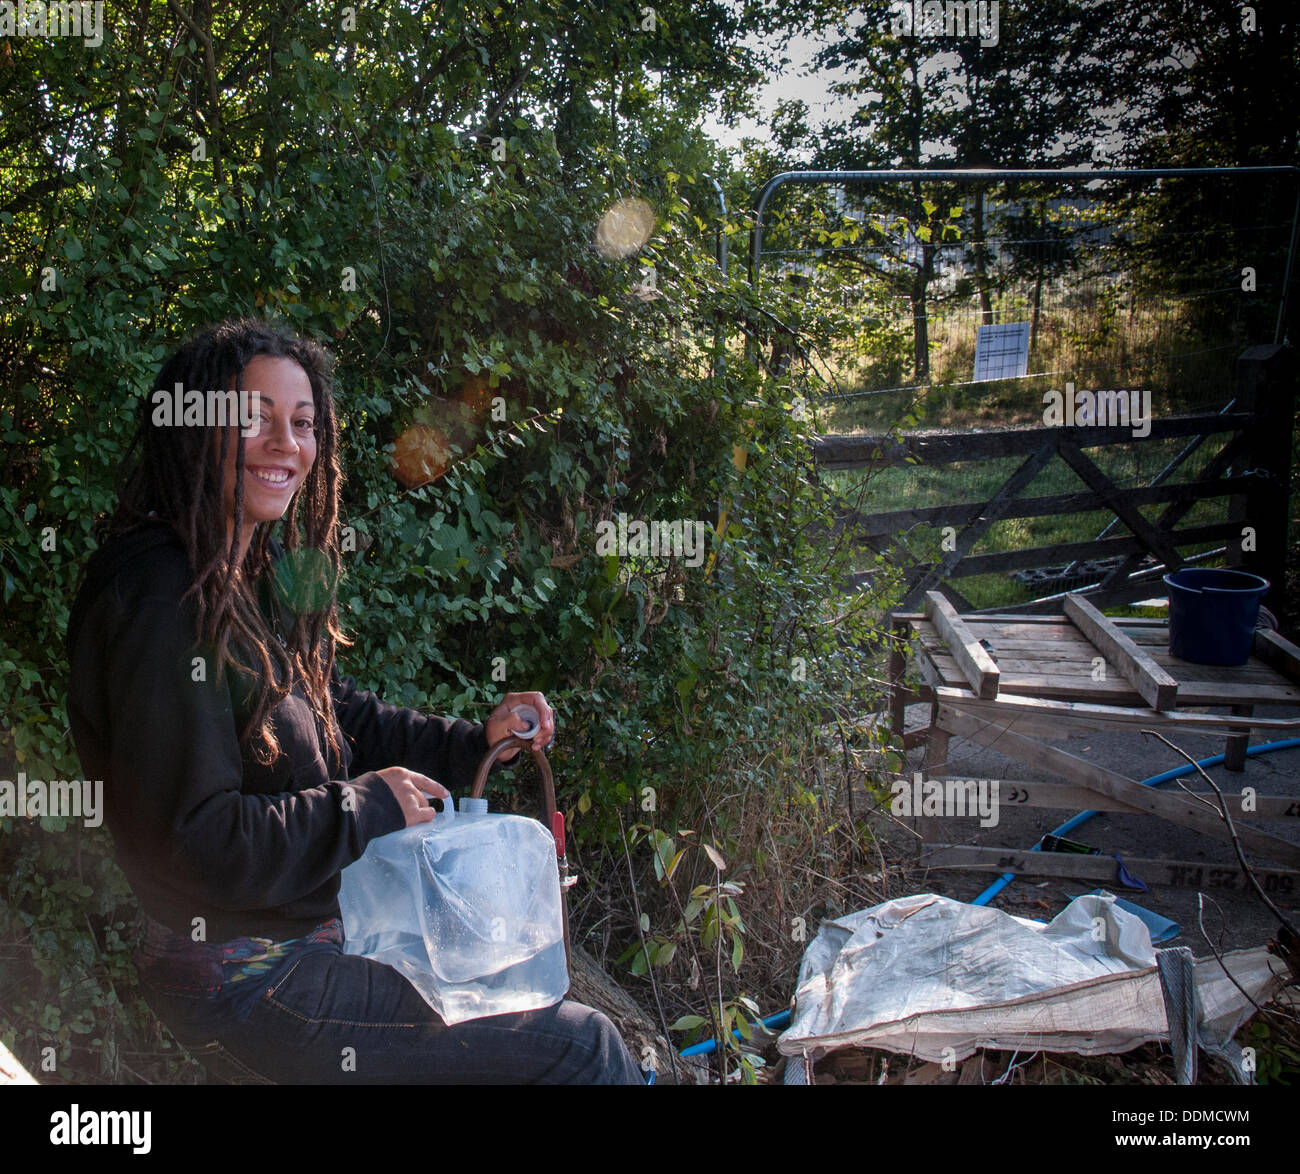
(625, 228)
(422, 454)
(477, 396)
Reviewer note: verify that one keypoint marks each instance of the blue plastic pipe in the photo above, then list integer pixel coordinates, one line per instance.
(782, 1018)
(1154, 781)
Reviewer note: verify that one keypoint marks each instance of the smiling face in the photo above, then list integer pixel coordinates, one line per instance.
(278, 458)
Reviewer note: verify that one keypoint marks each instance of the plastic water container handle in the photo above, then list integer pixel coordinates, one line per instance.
(448, 811)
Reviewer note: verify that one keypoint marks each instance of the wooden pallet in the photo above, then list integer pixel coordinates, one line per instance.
(1020, 682)
(1053, 658)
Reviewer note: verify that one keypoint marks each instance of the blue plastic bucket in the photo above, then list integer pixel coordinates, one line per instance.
(1212, 614)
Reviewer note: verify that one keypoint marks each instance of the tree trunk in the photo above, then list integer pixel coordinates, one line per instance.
(920, 320)
(644, 1038)
(1038, 280)
(920, 335)
(981, 260)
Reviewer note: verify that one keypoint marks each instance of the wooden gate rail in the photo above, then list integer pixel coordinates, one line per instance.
(1251, 469)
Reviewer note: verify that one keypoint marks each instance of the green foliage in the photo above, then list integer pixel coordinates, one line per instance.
(711, 928)
(1275, 1038)
(320, 180)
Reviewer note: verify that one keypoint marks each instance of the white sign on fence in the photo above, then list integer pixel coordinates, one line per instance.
(1002, 351)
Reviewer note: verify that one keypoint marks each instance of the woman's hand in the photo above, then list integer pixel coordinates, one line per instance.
(501, 722)
(413, 791)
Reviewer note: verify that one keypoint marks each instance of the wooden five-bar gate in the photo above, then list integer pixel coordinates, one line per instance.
(1252, 468)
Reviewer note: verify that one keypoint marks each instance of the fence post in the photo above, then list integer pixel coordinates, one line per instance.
(1266, 386)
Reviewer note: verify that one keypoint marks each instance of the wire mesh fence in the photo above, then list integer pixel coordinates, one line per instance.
(978, 292)
(991, 300)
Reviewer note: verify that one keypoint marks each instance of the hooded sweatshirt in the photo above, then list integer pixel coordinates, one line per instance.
(203, 830)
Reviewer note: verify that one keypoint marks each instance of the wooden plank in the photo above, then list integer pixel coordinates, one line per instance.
(1049, 629)
(1071, 865)
(975, 663)
(1041, 666)
(1059, 639)
(1156, 686)
(934, 763)
(1200, 692)
(1014, 709)
(1015, 793)
(1253, 672)
(937, 677)
(1195, 693)
(1028, 624)
(1067, 651)
(1036, 726)
(1032, 662)
(1156, 541)
(1064, 682)
(1173, 513)
(1074, 690)
(1105, 692)
(1139, 585)
(1234, 751)
(1052, 660)
(1094, 548)
(1011, 617)
(931, 448)
(993, 509)
(1053, 506)
(1256, 675)
(1281, 654)
(1166, 805)
(1104, 695)
(1043, 636)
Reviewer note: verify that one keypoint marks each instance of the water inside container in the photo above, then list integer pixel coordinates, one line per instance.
(467, 909)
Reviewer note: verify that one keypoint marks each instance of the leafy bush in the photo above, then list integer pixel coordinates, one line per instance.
(470, 313)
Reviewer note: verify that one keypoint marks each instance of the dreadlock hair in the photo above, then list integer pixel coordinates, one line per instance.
(176, 476)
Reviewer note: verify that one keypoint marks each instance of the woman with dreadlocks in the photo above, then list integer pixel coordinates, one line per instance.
(243, 773)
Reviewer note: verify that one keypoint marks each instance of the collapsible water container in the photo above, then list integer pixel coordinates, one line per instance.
(467, 907)
(1213, 613)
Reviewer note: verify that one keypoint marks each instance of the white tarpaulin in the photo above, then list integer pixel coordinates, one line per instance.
(922, 974)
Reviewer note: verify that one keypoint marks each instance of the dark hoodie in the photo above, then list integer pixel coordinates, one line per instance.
(201, 829)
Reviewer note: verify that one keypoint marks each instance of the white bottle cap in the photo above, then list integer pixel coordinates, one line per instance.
(531, 716)
(470, 806)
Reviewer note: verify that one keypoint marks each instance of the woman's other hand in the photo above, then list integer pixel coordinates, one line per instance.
(413, 791)
(501, 722)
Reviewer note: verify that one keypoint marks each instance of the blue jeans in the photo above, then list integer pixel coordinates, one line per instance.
(335, 1018)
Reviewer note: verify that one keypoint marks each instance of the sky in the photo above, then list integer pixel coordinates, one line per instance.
(799, 80)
